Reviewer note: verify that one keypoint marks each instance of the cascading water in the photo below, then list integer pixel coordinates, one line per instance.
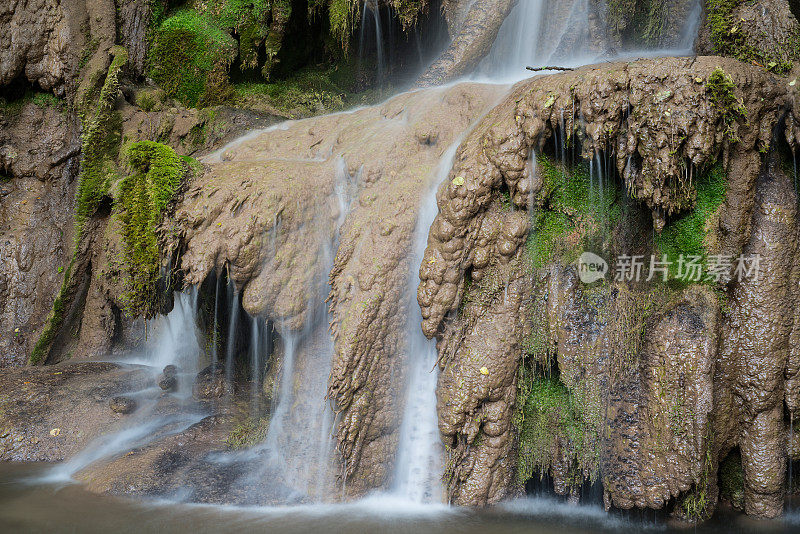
(233, 324)
(559, 32)
(373, 7)
(174, 340)
(418, 470)
(298, 448)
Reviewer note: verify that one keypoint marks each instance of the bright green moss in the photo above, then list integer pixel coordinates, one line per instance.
(255, 23)
(574, 213)
(550, 420)
(54, 322)
(693, 233)
(100, 143)
(308, 91)
(156, 176)
(248, 433)
(190, 58)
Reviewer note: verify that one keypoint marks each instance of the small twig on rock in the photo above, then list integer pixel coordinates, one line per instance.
(537, 69)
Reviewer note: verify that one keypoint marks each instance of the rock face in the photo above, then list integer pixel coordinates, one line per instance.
(755, 350)
(246, 214)
(475, 33)
(48, 414)
(42, 42)
(39, 161)
(657, 409)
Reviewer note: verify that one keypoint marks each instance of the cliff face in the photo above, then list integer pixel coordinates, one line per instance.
(643, 387)
(666, 410)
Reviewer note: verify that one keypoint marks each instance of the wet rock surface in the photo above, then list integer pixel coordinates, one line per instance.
(123, 405)
(52, 413)
(661, 411)
(267, 208)
(168, 379)
(39, 151)
(210, 383)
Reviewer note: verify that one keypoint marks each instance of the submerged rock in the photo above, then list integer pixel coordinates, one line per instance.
(168, 380)
(123, 405)
(210, 383)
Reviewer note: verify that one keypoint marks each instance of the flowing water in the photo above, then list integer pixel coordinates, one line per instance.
(174, 340)
(298, 449)
(418, 469)
(542, 33)
(55, 508)
(299, 443)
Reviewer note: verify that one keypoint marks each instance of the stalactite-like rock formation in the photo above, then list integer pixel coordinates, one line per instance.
(272, 203)
(665, 383)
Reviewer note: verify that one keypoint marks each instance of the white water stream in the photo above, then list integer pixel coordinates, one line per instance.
(173, 340)
(299, 445)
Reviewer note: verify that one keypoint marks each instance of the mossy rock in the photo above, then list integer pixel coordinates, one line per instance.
(572, 213)
(550, 419)
(144, 195)
(190, 58)
(695, 234)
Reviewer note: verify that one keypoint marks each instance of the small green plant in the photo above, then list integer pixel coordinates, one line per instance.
(696, 505)
(149, 99)
(721, 90)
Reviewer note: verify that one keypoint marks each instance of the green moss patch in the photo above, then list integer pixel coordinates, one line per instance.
(550, 421)
(100, 143)
(248, 433)
(99, 146)
(573, 213)
(144, 194)
(721, 91)
(731, 480)
(728, 39)
(694, 233)
(308, 92)
(190, 58)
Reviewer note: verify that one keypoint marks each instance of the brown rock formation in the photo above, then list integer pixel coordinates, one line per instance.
(472, 42)
(755, 347)
(268, 206)
(38, 159)
(654, 404)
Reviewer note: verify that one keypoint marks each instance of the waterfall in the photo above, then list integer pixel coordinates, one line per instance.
(174, 340)
(418, 469)
(299, 443)
(380, 67)
(233, 323)
(260, 347)
(560, 32)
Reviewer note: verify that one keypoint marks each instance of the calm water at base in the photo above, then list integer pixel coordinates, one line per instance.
(34, 507)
